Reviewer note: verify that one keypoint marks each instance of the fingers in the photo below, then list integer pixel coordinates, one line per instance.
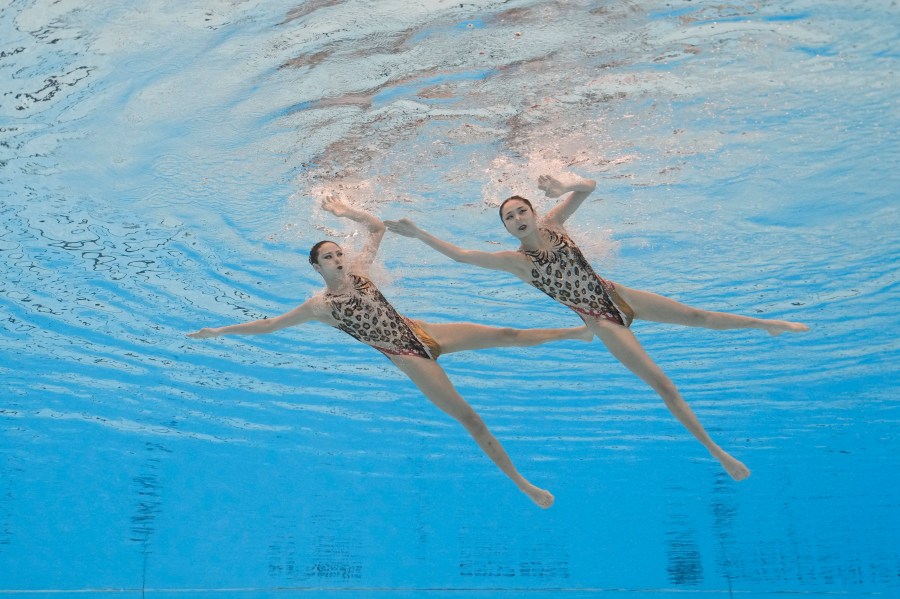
(399, 224)
(331, 204)
(404, 226)
(202, 334)
(548, 185)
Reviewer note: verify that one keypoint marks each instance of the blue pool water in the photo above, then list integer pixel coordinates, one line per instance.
(161, 165)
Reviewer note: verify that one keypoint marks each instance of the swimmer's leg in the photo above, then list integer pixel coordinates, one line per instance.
(463, 336)
(650, 306)
(431, 379)
(622, 343)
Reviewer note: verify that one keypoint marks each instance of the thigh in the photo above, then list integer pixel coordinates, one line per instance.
(434, 383)
(626, 348)
(463, 336)
(657, 308)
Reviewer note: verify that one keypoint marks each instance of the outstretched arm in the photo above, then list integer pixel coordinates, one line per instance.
(507, 261)
(373, 224)
(299, 315)
(578, 189)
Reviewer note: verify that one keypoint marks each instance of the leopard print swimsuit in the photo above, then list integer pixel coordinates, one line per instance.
(365, 314)
(564, 274)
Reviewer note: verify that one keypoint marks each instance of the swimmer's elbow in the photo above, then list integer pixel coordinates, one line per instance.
(270, 325)
(265, 326)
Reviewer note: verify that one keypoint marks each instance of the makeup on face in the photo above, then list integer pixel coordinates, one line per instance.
(330, 258)
(518, 217)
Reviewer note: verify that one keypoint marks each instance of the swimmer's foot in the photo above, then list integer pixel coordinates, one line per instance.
(777, 327)
(541, 497)
(735, 468)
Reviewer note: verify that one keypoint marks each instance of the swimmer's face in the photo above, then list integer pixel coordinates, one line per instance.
(518, 218)
(330, 263)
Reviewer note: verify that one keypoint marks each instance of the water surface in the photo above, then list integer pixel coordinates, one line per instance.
(161, 167)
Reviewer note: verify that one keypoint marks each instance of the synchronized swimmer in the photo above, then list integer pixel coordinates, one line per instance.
(353, 304)
(548, 260)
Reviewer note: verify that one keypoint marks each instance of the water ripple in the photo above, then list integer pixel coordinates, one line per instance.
(740, 153)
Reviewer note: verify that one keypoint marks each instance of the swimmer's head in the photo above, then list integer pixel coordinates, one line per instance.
(327, 258)
(315, 250)
(517, 215)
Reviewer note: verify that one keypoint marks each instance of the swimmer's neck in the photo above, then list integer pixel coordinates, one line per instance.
(338, 283)
(533, 241)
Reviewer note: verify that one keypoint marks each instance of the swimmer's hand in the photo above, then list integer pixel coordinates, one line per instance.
(204, 333)
(553, 187)
(404, 227)
(335, 206)
(342, 210)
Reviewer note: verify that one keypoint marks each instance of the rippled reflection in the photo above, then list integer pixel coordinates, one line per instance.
(161, 167)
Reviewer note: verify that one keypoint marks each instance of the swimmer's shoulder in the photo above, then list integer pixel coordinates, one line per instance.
(318, 307)
(514, 262)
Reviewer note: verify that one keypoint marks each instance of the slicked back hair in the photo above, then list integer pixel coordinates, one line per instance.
(314, 251)
(526, 201)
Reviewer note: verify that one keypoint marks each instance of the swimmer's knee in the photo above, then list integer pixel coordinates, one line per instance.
(697, 318)
(666, 389)
(473, 422)
(509, 335)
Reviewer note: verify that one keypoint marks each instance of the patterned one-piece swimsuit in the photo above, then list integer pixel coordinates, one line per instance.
(365, 314)
(563, 273)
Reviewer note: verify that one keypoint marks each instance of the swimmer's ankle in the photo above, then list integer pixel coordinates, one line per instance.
(541, 497)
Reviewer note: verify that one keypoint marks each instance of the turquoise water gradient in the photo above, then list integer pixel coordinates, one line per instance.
(161, 168)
